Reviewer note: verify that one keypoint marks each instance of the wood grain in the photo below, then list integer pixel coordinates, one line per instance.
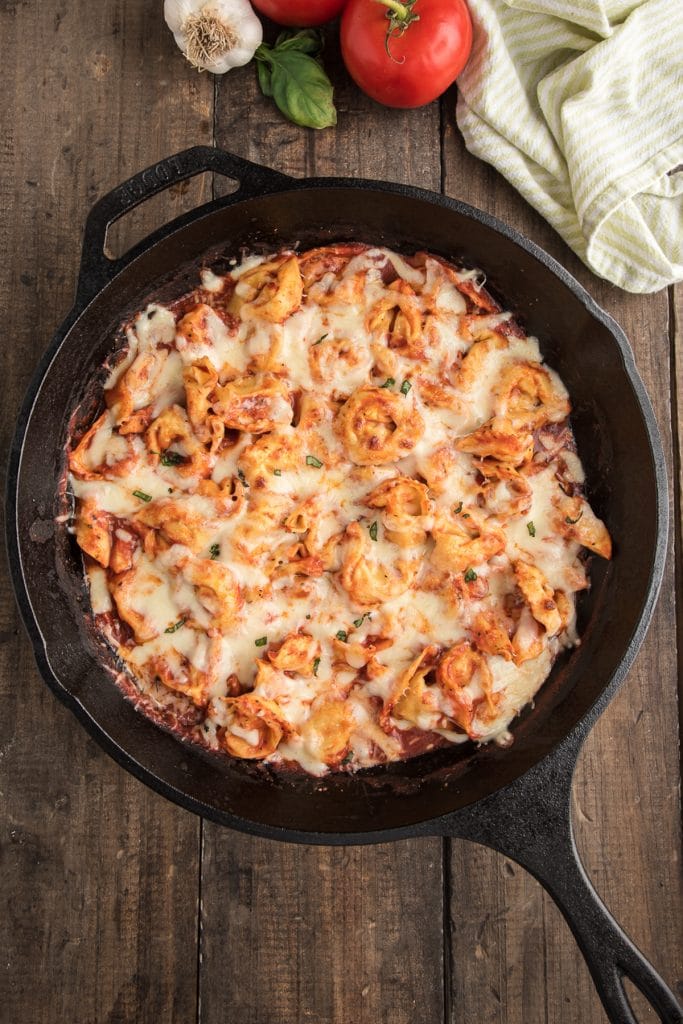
(295, 934)
(676, 338)
(514, 959)
(309, 934)
(99, 874)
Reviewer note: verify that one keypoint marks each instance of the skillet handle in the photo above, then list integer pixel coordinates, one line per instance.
(97, 269)
(530, 822)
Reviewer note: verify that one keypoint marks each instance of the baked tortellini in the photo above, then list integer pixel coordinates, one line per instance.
(331, 512)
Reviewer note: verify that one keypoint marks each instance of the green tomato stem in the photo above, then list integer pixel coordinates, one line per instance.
(400, 11)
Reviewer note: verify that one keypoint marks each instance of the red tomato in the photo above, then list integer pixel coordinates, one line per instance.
(299, 13)
(425, 56)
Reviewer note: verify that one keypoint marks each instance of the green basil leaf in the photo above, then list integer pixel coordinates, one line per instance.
(174, 628)
(306, 41)
(264, 78)
(301, 89)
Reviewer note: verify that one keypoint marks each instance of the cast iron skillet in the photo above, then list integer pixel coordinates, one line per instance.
(516, 801)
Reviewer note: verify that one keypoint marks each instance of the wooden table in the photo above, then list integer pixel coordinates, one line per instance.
(120, 907)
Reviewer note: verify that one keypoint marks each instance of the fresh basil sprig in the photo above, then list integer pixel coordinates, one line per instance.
(306, 40)
(291, 73)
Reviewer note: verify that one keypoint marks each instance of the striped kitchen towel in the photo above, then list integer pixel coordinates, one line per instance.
(580, 106)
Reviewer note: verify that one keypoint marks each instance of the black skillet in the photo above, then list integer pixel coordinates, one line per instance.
(516, 800)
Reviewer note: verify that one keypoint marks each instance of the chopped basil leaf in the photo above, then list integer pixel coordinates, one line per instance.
(348, 758)
(261, 642)
(458, 509)
(170, 458)
(215, 550)
(359, 622)
(373, 531)
(571, 521)
(312, 461)
(342, 635)
(142, 496)
(321, 338)
(175, 627)
(242, 478)
(316, 666)
(405, 387)
(466, 515)
(470, 576)
(531, 528)
(388, 383)
(277, 472)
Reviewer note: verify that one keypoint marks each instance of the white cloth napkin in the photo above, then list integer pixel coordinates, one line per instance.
(580, 106)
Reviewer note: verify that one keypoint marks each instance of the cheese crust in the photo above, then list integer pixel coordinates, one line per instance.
(332, 513)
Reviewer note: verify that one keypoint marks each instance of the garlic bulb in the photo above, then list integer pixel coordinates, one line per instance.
(214, 35)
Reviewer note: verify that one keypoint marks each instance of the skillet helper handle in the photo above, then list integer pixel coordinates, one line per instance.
(97, 269)
(530, 822)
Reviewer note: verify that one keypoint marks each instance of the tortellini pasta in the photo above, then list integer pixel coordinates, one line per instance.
(331, 512)
(378, 426)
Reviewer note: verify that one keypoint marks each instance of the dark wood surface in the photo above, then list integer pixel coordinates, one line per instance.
(120, 907)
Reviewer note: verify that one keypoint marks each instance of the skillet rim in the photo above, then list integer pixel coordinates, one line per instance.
(90, 291)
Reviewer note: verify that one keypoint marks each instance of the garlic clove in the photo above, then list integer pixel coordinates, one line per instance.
(214, 35)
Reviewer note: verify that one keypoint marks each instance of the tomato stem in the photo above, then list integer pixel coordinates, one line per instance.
(400, 11)
(399, 16)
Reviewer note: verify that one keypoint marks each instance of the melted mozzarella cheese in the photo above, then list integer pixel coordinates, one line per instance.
(284, 535)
